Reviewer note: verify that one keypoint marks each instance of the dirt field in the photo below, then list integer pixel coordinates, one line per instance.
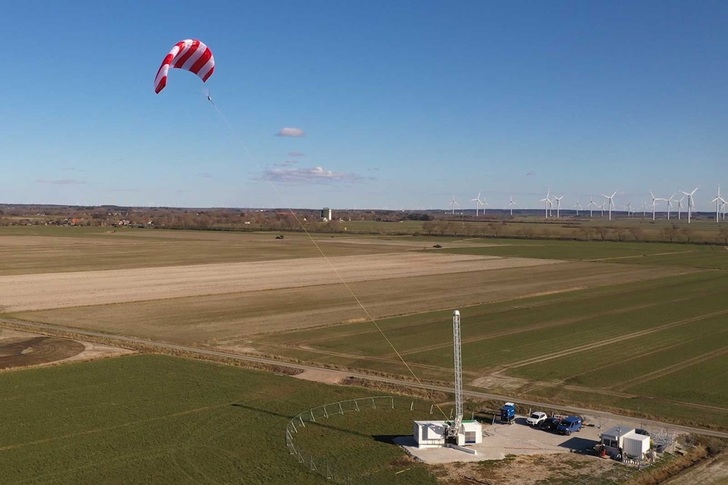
(228, 319)
(21, 349)
(60, 290)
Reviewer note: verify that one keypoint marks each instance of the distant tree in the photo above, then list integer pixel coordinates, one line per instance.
(621, 233)
(525, 232)
(494, 229)
(671, 232)
(602, 232)
(723, 232)
(637, 233)
(687, 233)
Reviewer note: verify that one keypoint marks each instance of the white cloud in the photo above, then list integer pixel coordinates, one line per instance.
(316, 175)
(292, 132)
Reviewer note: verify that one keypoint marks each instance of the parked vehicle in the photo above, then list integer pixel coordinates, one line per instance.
(550, 424)
(570, 424)
(536, 418)
(508, 413)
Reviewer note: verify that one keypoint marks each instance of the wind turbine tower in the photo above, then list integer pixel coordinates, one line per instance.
(578, 206)
(558, 205)
(679, 206)
(453, 204)
(511, 204)
(547, 202)
(669, 204)
(719, 201)
(592, 203)
(478, 202)
(610, 198)
(654, 203)
(691, 203)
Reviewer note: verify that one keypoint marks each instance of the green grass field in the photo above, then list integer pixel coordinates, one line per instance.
(629, 339)
(157, 419)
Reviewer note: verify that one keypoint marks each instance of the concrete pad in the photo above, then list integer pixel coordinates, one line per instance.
(500, 440)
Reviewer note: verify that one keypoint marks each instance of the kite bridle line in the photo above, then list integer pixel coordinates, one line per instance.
(326, 258)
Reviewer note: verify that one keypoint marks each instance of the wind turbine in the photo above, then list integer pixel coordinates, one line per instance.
(578, 206)
(547, 202)
(629, 209)
(719, 202)
(592, 203)
(477, 203)
(644, 209)
(558, 205)
(691, 203)
(611, 203)
(602, 209)
(453, 204)
(679, 206)
(669, 204)
(511, 204)
(654, 203)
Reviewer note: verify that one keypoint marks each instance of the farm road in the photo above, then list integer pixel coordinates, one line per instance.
(121, 339)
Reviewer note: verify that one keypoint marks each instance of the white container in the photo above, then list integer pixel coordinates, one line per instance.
(635, 445)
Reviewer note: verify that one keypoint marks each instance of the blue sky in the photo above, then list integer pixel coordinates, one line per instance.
(395, 104)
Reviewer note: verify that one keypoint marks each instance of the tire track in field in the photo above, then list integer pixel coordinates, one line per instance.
(606, 288)
(503, 333)
(542, 326)
(602, 343)
(670, 369)
(629, 359)
(557, 323)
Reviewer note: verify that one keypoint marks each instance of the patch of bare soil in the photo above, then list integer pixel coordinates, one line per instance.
(528, 470)
(22, 349)
(63, 290)
(323, 375)
(495, 382)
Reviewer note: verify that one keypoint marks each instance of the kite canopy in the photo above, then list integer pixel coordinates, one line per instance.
(190, 55)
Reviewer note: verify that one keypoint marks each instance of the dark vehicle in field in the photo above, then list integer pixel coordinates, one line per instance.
(550, 424)
(570, 424)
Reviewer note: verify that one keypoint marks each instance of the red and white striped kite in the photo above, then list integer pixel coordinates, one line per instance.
(189, 54)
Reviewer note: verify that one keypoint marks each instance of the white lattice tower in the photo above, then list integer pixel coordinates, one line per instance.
(458, 365)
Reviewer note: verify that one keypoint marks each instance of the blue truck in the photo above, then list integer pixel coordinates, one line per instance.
(508, 413)
(570, 424)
